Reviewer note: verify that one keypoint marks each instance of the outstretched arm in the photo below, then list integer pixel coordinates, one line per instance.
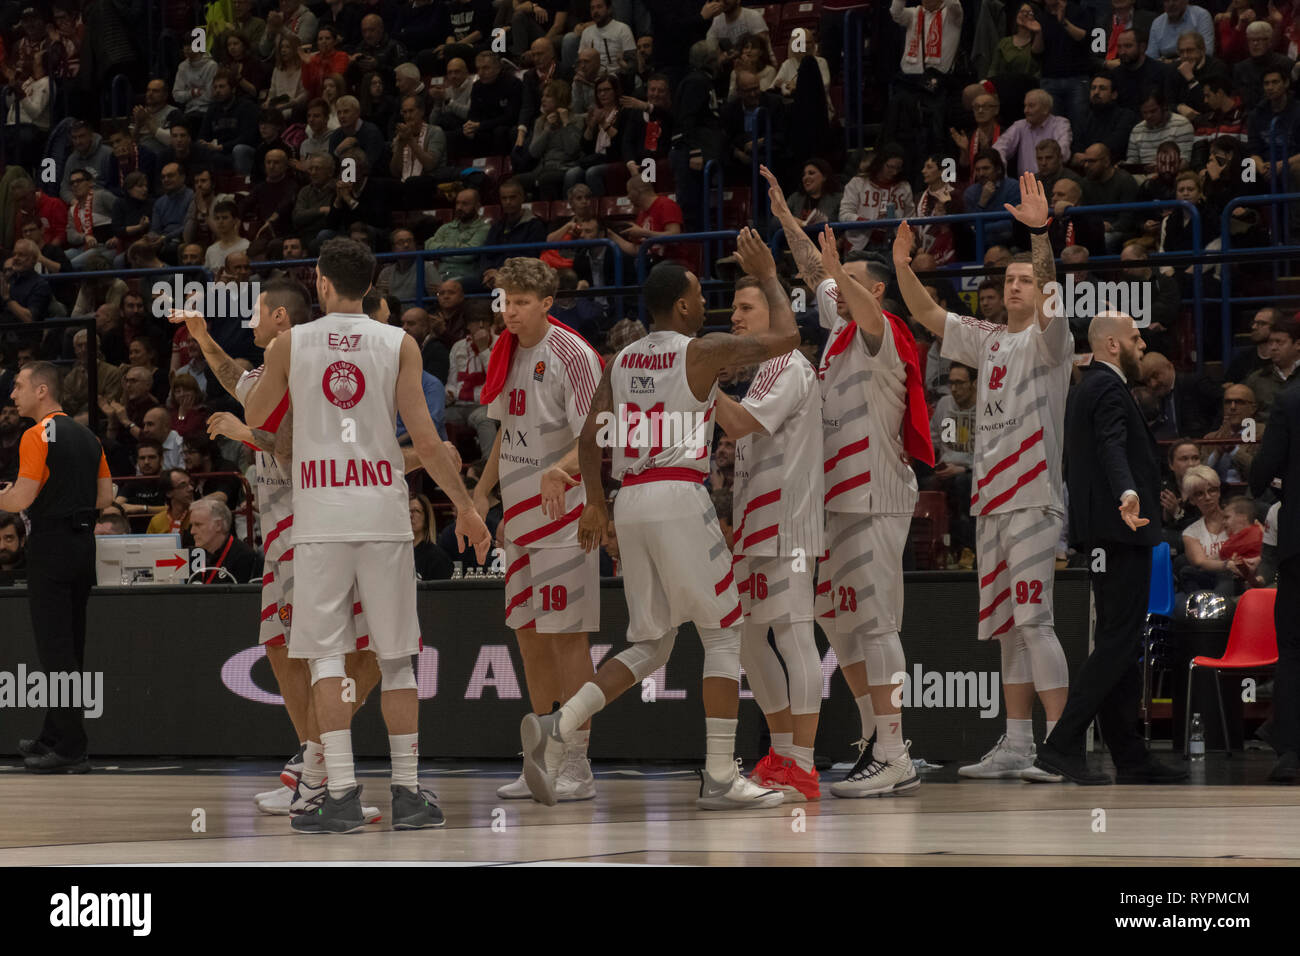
(924, 309)
(591, 526)
(221, 364)
(735, 419)
(862, 304)
(801, 247)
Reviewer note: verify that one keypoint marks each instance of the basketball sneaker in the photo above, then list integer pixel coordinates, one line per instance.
(737, 792)
(574, 781)
(292, 772)
(332, 814)
(416, 810)
(539, 735)
(307, 799)
(769, 773)
(799, 784)
(1000, 763)
(866, 754)
(880, 778)
(516, 789)
(275, 802)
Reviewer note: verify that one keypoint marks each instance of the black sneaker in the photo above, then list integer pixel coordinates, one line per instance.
(1286, 769)
(416, 809)
(334, 815)
(32, 748)
(50, 762)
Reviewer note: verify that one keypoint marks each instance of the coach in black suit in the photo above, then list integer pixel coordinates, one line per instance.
(1277, 458)
(1114, 483)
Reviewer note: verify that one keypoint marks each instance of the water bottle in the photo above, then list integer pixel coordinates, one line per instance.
(458, 571)
(1197, 739)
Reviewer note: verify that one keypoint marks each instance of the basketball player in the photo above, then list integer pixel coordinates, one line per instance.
(540, 382)
(1024, 374)
(777, 514)
(676, 565)
(874, 420)
(347, 377)
(281, 304)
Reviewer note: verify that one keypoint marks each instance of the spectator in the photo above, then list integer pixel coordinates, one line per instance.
(292, 17)
(243, 23)
(582, 314)
(24, 293)
(1248, 75)
(192, 89)
(311, 209)
(419, 155)
(544, 69)
(1227, 176)
(90, 218)
(90, 154)
(328, 59)
(1074, 229)
(1267, 383)
(175, 517)
(451, 97)
(108, 378)
(1194, 68)
(316, 142)
(364, 199)
(1051, 167)
(744, 135)
(1176, 227)
(34, 205)
(344, 18)
(145, 497)
(919, 92)
(1222, 115)
(557, 141)
(131, 213)
(270, 131)
(112, 521)
(1254, 356)
(377, 52)
(469, 358)
(937, 199)
(641, 66)
(697, 132)
(127, 158)
(730, 22)
(755, 57)
(1158, 126)
(1166, 299)
(1184, 402)
(1230, 31)
(656, 216)
(952, 430)
(602, 131)
(51, 259)
(989, 191)
(13, 554)
(517, 225)
(189, 413)
(494, 104)
(142, 353)
(1067, 58)
(227, 560)
(983, 135)
(1107, 185)
(1020, 54)
(786, 81)
(1202, 538)
(1018, 145)
(647, 126)
(1162, 185)
(229, 126)
(436, 358)
(448, 323)
(28, 122)
(203, 457)
(357, 133)
(431, 563)
(226, 237)
(467, 229)
(1177, 512)
(1136, 73)
(157, 424)
(610, 38)
(271, 204)
(878, 193)
(1178, 19)
(192, 157)
(1104, 121)
(1232, 463)
(1274, 131)
(247, 72)
(287, 91)
(819, 195)
(992, 307)
(170, 209)
(399, 277)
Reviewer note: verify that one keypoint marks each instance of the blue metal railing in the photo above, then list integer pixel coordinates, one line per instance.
(854, 130)
(1275, 201)
(643, 254)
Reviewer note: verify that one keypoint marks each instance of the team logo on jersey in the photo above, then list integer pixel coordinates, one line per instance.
(343, 384)
(286, 615)
(539, 370)
(344, 343)
(996, 346)
(996, 375)
(642, 385)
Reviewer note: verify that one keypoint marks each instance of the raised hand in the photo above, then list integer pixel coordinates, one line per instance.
(754, 256)
(775, 198)
(830, 252)
(904, 243)
(1033, 210)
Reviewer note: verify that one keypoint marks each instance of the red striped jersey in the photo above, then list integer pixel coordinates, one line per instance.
(274, 486)
(864, 398)
(542, 408)
(1019, 410)
(659, 423)
(777, 496)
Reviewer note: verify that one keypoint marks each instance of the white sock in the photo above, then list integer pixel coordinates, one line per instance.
(581, 707)
(338, 762)
(313, 764)
(783, 744)
(719, 747)
(404, 750)
(1020, 735)
(889, 736)
(578, 741)
(1051, 725)
(803, 756)
(868, 714)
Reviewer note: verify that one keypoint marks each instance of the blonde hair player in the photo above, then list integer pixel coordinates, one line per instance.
(676, 565)
(540, 382)
(281, 304)
(777, 514)
(347, 378)
(1024, 375)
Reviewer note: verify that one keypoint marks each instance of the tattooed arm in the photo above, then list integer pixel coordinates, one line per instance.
(1035, 213)
(801, 247)
(219, 363)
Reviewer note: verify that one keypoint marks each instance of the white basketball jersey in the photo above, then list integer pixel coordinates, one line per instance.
(659, 421)
(347, 467)
(864, 399)
(1019, 410)
(274, 487)
(542, 408)
(777, 496)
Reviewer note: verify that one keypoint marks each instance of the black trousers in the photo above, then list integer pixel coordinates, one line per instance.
(1286, 679)
(60, 573)
(1110, 684)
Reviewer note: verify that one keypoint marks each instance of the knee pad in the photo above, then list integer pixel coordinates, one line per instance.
(645, 657)
(1047, 662)
(798, 648)
(1016, 668)
(884, 657)
(326, 667)
(766, 678)
(721, 652)
(396, 674)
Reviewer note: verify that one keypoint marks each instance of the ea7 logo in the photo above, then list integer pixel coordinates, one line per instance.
(643, 383)
(996, 375)
(344, 343)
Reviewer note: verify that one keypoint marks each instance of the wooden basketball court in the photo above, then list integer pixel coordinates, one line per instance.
(145, 813)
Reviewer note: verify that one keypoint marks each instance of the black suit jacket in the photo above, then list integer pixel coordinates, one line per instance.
(1108, 450)
(1276, 459)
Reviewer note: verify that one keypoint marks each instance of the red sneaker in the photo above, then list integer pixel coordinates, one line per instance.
(799, 784)
(770, 772)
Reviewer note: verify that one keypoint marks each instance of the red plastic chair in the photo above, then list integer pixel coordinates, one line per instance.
(1252, 646)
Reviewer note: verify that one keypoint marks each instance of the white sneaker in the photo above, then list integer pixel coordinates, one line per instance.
(307, 799)
(274, 802)
(737, 792)
(880, 778)
(575, 781)
(1000, 763)
(515, 790)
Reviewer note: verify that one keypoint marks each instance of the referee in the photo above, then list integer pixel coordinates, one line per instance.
(63, 481)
